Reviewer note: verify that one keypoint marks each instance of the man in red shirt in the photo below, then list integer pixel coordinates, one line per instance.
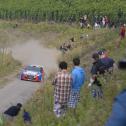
(121, 34)
(122, 31)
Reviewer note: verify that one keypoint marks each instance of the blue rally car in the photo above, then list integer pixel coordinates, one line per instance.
(32, 73)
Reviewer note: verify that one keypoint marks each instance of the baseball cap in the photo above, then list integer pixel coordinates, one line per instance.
(102, 51)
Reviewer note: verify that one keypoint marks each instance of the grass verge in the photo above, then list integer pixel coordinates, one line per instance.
(90, 112)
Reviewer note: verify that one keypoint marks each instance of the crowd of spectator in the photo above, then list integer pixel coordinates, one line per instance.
(99, 22)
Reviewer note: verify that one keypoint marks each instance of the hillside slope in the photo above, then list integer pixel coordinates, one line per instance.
(90, 112)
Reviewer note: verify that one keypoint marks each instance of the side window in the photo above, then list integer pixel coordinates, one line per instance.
(42, 71)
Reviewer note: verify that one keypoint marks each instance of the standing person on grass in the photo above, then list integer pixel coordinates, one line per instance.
(122, 31)
(27, 118)
(121, 34)
(78, 78)
(98, 68)
(62, 87)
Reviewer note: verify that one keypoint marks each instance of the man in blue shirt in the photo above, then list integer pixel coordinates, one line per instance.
(78, 79)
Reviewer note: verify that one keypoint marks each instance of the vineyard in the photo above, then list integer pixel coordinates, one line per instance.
(61, 10)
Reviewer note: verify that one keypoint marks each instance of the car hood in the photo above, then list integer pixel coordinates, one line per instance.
(33, 73)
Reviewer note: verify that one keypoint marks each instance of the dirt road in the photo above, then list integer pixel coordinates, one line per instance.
(32, 52)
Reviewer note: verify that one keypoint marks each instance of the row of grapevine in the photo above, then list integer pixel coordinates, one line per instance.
(59, 10)
(37, 15)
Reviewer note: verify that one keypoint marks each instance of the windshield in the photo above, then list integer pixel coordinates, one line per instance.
(33, 68)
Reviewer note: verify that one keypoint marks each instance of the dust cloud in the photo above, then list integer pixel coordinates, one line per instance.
(32, 52)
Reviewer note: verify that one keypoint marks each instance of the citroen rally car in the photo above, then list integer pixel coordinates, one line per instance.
(32, 73)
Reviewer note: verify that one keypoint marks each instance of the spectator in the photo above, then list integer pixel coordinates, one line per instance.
(63, 48)
(103, 22)
(121, 34)
(78, 78)
(85, 20)
(82, 22)
(27, 117)
(96, 25)
(12, 111)
(106, 21)
(97, 68)
(102, 64)
(118, 115)
(62, 87)
(67, 45)
(122, 31)
(105, 59)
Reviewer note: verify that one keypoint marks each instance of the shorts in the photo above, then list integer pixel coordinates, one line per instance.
(74, 98)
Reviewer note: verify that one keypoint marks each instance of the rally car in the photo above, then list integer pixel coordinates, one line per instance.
(32, 73)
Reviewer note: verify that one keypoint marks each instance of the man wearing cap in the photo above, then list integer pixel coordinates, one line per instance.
(97, 68)
(105, 59)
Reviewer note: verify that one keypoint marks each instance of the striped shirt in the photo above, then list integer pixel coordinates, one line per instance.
(62, 86)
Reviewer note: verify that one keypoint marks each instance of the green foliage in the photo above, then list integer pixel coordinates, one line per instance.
(7, 64)
(90, 112)
(60, 10)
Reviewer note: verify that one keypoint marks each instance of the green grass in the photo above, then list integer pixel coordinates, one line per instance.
(89, 111)
(8, 66)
